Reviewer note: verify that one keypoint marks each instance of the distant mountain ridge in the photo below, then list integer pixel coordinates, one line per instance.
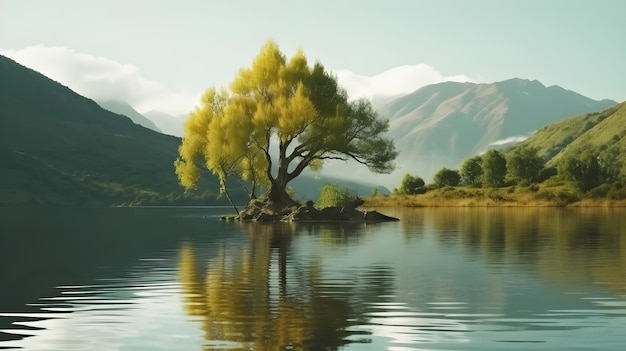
(125, 109)
(442, 124)
(168, 124)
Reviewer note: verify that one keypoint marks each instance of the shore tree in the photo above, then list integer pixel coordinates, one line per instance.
(411, 185)
(524, 164)
(494, 168)
(277, 118)
(472, 170)
(446, 177)
(588, 170)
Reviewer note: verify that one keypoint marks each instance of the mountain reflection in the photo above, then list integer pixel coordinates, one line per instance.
(254, 296)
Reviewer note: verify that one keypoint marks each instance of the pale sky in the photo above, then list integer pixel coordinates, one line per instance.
(162, 54)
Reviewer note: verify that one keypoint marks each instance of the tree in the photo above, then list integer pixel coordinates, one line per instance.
(524, 164)
(471, 170)
(588, 170)
(411, 185)
(446, 177)
(494, 168)
(281, 117)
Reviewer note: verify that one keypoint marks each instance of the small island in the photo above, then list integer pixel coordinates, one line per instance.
(278, 118)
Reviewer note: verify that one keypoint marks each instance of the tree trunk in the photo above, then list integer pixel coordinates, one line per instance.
(278, 195)
(231, 201)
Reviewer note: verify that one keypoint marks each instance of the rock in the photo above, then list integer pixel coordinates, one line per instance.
(261, 210)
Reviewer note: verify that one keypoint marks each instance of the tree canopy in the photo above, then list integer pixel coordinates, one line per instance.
(471, 170)
(524, 164)
(446, 177)
(411, 185)
(588, 170)
(494, 168)
(277, 118)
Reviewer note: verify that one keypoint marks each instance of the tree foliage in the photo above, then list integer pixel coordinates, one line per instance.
(334, 195)
(471, 170)
(588, 170)
(524, 164)
(494, 168)
(278, 118)
(411, 185)
(446, 177)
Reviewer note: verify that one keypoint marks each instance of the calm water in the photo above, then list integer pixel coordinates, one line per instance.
(440, 279)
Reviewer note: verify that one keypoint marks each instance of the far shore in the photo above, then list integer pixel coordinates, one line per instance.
(489, 197)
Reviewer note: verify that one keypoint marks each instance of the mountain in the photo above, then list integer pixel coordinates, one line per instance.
(168, 124)
(442, 124)
(60, 148)
(125, 109)
(601, 133)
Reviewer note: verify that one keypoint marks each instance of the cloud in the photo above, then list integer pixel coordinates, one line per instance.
(395, 81)
(100, 78)
(509, 140)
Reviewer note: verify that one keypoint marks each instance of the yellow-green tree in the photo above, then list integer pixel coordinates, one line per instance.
(279, 117)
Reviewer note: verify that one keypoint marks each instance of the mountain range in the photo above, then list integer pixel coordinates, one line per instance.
(442, 124)
(60, 148)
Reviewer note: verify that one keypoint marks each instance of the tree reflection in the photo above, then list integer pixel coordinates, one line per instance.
(250, 297)
(566, 245)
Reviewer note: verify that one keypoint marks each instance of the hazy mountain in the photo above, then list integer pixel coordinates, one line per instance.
(600, 132)
(125, 109)
(442, 124)
(60, 148)
(168, 124)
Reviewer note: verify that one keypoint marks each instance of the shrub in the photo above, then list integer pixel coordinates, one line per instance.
(334, 195)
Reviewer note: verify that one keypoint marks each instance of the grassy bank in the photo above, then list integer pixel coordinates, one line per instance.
(512, 196)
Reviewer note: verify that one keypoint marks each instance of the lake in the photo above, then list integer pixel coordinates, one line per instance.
(439, 279)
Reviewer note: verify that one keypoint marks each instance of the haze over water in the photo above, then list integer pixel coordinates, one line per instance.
(440, 279)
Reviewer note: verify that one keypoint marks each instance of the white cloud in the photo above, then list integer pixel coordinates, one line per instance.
(509, 140)
(100, 78)
(395, 81)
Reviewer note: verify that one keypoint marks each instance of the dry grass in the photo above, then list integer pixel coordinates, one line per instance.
(513, 196)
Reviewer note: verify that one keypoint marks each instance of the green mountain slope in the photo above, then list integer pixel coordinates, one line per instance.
(59, 148)
(601, 133)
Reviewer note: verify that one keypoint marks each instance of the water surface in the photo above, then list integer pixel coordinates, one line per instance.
(440, 279)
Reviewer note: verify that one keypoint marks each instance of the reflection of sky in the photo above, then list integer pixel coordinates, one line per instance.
(142, 310)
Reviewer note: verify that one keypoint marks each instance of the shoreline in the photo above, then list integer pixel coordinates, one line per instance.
(489, 197)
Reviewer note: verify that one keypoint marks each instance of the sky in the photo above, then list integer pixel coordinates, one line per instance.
(161, 55)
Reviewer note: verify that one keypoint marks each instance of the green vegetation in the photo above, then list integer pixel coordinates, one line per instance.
(301, 107)
(472, 170)
(411, 185)
(61, 149)
(332, 195)
(585, 165)
(446, 177)
(524, 165)
(494, 168)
